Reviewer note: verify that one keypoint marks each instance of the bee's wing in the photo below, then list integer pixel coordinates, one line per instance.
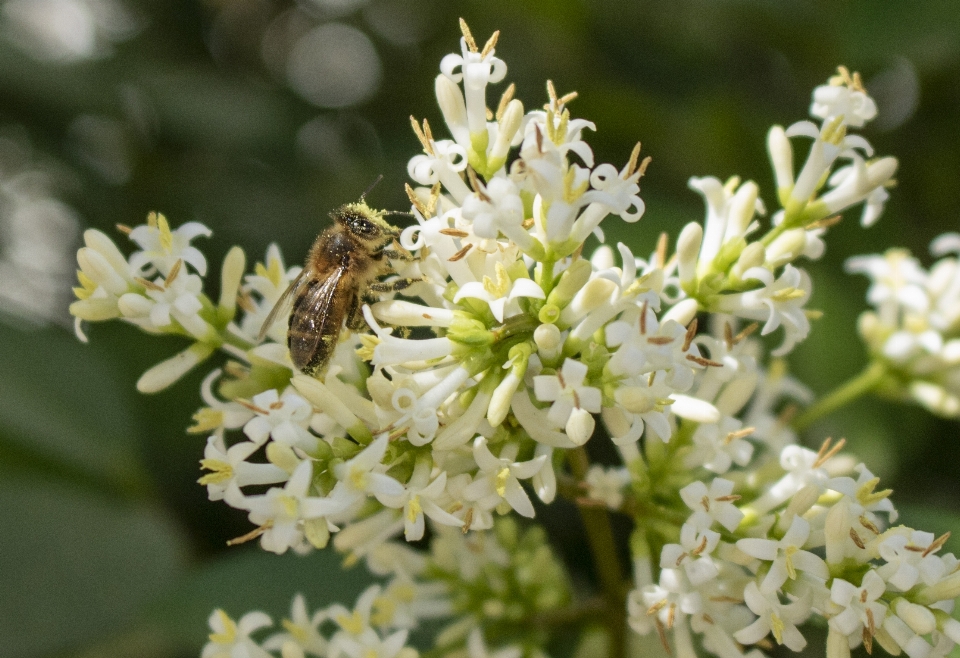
(283, 305)
(317, 319)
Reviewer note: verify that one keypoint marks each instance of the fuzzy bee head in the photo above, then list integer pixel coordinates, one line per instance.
(364, 223)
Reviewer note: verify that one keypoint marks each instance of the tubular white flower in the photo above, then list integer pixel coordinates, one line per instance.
(230, 638)
(476, 71)
(229, 466)
(499, 477)
(774, 617)
(715, 504)
(161, 248)
(786, 556)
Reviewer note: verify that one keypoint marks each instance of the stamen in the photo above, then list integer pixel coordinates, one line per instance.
(704, 362)
(826, 452)
(705, 501)
(174, 272)
(253, 534)
(149, 285)
(123, 228)
(869, 525)
(414, 200)
(643, 317)
(826, 222)
(659, 340)
(739, 434)
(505, 99)
(701, 547)
(662, 245)
(552, 93)
(460, 254)
(467, 36)
(434, 199)
(467, 521)
(662, 633)
(421, 135)
(490, 44)
(566, 98)
(691, 333)
(856, 539)
(454, 232)
(749, 329)
(632, 162)
(731, 498)
(252, 407)
(937, 544)
(477, 186)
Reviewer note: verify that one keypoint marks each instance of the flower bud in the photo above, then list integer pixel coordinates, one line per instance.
(509, 125)
(234, 264)
(549, 341)
(920, 620)
(781, 157)
(688, 250)
(753, 255)
(785, 248)
(743, 206)
(167, 372)
(571, 281)
(690, 408)
(580, 426)
(682, 312)
(596, 293)
(450, 99)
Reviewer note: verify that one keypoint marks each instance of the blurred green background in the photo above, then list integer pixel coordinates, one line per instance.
(256, 117)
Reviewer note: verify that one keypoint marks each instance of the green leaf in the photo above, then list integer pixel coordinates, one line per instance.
(77, 566)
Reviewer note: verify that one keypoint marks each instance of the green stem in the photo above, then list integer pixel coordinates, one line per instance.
(866, 381)
(605, 558)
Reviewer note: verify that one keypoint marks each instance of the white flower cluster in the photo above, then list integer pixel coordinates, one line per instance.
(914, 329)
(463, 580)
(809, 543)
(473, 392)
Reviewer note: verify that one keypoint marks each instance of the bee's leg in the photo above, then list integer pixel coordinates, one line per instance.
(395, 254)
(355, 320)
(392, 286)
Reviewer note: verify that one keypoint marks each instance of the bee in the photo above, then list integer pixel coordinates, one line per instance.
(341, 272)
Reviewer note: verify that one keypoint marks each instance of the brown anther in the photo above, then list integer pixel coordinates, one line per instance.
(662, 633)
(527, 223)
(460, 254)
(632, 162)
(826, 452)
(701, 547)
(412, 195)
(726, 599)
(505, 100)
(690, 335)
(397, 433)
(749, 329)
(174, 273)
(276, 405)
(663, 243)
(868, 639)
(937, 544)
(914, 549)
(826, 222)
(659, 340)
(427, 133)
(467, 36)
(868, 524)
(576, 399)
(739, 434)
(252, 407)
(566, 98)
(253, 534)
(563, 383)
(863, 596)
(490, 44)
(454, 232)
(681, 558)
(434, 199)
(728, 335)
(149, 285)
(426, 316)
(705, 501)
(707, 618)
(467, 521)
(704, 362)
(123, 228)
(246, 303)
(731, 498)
(656, 607)
(856, 539)
(477, 186)
(539, 136)
(671, 615)
(643, 318)
(653, 376)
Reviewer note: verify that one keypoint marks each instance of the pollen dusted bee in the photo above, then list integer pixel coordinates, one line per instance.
(341, 270)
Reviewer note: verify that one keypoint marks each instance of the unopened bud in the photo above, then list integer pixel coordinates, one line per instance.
(753, 255)
(549, 341)
(920, 620)
(571, 281)
(682, 312)
(781, 156)
(509, 125)
(688, 250)
(450, 99)
(786, 248)
(742, 208)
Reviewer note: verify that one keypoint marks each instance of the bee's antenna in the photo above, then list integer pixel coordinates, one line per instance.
(387, 213)
(370, 189)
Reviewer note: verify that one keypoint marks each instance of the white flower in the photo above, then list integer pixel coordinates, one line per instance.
(281, 512)
(361, 476)
(499, 477)
(229, 466)
(903, 559)
(606, 484)
(840, 100)
(161, 248)
(302, 629)
(713, 504)
(777, 302)
(773, 616)
(500, 294)
(693, 554)
(419, 499)
(477, 69)
(859, 607)
(717, 446)
(285, 419)
(231, 639)
(572, 401)
(165, 301)
(786, 555)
